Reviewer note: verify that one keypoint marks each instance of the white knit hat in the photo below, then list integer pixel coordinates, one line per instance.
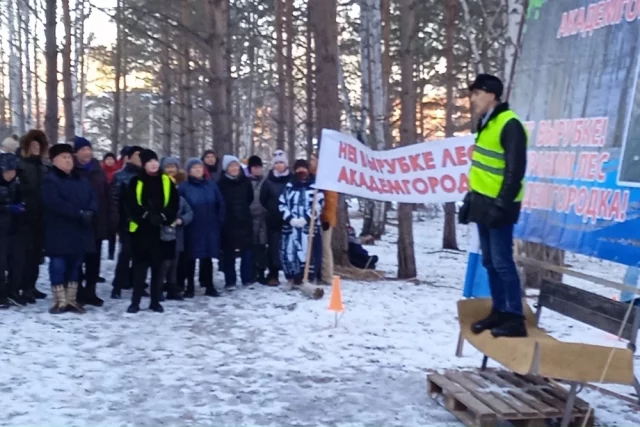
(279, 157)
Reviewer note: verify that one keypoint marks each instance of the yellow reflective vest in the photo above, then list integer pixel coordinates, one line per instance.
(166, 189)
(488, 160)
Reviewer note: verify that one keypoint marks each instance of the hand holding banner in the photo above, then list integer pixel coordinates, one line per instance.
(432, 172)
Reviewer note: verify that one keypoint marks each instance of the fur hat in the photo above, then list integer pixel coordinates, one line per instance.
(34, 135)
(300, 163)
(279, 157)
(57, 149)
(147, 155)
(168, 161)
(191, 163)
(254, 162)
(79, 143)
(227, 160)
(8, 162)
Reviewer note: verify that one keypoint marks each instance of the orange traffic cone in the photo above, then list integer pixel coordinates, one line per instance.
(335, 304)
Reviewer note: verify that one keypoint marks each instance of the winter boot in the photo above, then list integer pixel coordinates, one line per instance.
(190, 292)
(156, 307)
(173, 293)
(512, 327)
(133, 308)
(4, 303)
(38, 295)
(494, 320)
(72, 295)
(28, 296)
(59, 300)
(16, 299)
(90, 297)
(261, 277)
(212, 292)
(116, 293)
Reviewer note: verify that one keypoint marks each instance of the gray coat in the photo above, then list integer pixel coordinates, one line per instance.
(258, 213)
(171, 233)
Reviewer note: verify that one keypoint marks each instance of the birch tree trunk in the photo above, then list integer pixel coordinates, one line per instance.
(248, 123)
(280, 118)
(515, 21)
(310, 86)
(117, 64)
(15, 80)
(51, 115)
(77, 73)
(165, 73)
(449, 240)
(26, 14)
(36, 65)
(475, 51)
(291, 125)
(406, 254)
(364, 69)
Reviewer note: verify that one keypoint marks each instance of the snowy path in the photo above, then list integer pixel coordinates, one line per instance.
(256, 357)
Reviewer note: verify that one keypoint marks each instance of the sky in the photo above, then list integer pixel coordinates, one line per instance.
(100, 24)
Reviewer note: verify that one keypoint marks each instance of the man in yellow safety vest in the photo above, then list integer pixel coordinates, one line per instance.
(496, 183)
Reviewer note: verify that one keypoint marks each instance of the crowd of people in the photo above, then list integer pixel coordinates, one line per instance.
(61, 202)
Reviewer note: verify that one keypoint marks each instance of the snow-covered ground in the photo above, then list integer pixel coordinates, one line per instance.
(260, 356)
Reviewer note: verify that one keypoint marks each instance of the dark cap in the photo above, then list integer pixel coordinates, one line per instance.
(147, 155)
(57, 149)
(488, 83)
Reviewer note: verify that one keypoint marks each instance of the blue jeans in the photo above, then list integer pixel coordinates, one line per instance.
(63, 270)
(246, 267)
(497, 258)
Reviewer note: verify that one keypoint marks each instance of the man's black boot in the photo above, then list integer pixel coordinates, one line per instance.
(494, 320)
(513, 327)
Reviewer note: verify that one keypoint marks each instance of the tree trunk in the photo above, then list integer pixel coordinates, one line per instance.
(346, 100)
(36, 65)
(165, 75)
(291, 96)
(26, 13)
(117, 64)
(15, 80)
(182, 85)
(217, 17)
(248, 124)
(51, 115)
(406, 253)
(449, 240)
(3, 99)
(364, 69)
(125, 90)
(310, 89)
(385, 7)
(280, 119)
(323, 19)
(515, 21)
(69, 118)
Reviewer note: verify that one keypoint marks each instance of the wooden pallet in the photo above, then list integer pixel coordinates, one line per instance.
(484, 398)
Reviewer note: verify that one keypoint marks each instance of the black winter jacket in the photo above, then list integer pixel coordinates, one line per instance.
(514, 142)
(119, 218)
(9, 195)
(96, 176)
(270, 192)
(237, 232)
(31, 175)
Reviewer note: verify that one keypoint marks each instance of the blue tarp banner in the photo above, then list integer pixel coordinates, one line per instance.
(576, 87)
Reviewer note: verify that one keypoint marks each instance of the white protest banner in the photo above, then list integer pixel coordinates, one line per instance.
(429, 172)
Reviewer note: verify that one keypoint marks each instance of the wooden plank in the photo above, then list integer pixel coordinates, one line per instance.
(535, 391)
(504, 411)
(445, 385)
(556, 390)
(537, 406)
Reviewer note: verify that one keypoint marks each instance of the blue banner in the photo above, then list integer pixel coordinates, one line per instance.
(576, 87)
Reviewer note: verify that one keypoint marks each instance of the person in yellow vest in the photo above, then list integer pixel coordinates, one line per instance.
(152, 202)
(496, 184)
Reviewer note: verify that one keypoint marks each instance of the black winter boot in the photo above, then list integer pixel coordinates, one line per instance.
(90, 297)
(133, 308)
(156, 307)
(173, 293)
(212, 292)
(116, 293)
(513, 327)
(17, 299)
(39, 295)
(28, 296)
(494, 320)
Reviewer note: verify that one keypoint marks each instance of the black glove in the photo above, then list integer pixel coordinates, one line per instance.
(86, 217)
(325, 226)
(463, 213)
(497, 214)
(156, 219)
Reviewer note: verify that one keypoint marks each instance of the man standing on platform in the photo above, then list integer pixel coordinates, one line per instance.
(496, 183)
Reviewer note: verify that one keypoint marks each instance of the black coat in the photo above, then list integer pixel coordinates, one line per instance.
(237, 233)
(96, 176)
(146, 242)
(118, 216)
(270, 193)
(514, 142)
(64, 197)
(9, 195)
(31, 175)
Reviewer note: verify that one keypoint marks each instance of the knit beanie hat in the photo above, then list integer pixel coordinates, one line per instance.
(113, 156)
(124, 151)
(10, 145)
(207, 152)
(57, 149)
(279, 157)
(131, 150)
(8, 162)
(254, 162)
(168, 161)
(301, 163)
(227, 160)
(191, 163)
(79, 143)
(147, 155)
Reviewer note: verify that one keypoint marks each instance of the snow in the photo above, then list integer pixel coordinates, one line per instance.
(261, 356)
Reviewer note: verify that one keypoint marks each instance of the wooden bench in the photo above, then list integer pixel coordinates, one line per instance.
(543, 355)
